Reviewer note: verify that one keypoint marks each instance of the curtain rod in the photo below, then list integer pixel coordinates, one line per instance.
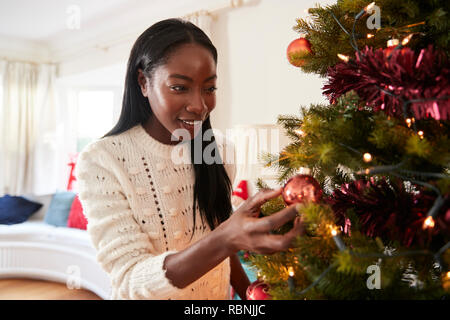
(36, 62)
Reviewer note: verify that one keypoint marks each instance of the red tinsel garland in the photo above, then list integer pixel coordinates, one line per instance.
(386, 78)
(387, 210)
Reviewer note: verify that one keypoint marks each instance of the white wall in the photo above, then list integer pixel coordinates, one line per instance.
(256, 82)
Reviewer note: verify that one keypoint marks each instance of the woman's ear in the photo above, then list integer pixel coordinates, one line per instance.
(142, 80)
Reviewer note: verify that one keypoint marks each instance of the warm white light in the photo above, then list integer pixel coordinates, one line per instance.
(406, 39)
(408, 122)
(369, 35)
(333, 232)
(300, 132)
(291, 271)
(367, 157)
(369, 7)
(393, 42)
(448, 275)
(343, 57)
(420, 133)
(428, 223)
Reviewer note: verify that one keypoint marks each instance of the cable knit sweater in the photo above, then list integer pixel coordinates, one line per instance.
(138, 203)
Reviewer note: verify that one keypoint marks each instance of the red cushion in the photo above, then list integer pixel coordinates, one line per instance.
(76, 216)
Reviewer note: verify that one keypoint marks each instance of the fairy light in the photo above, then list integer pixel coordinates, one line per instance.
(291, 271)
(408, 122)
(291, 283)
(366, 9)
(447, 275)
(367, 157)
(369, 7)
(393, 42)
(420, 133)
(337, 239)
(406, 39)
(370, 35)
(300, 132)
(428, 223)
(343, 57)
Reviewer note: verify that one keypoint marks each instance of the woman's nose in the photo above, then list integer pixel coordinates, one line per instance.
(197, 105)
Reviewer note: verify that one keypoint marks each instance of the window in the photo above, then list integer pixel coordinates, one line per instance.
(96, 111)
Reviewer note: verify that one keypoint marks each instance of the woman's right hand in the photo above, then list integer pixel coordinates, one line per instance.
(248, 232)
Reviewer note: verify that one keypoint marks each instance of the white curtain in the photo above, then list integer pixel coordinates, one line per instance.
(28, 129)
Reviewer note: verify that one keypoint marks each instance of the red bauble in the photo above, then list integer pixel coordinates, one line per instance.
(297, 49)
(258, 290)
(301, 188)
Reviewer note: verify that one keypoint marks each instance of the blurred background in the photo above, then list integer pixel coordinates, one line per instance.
(78, 50)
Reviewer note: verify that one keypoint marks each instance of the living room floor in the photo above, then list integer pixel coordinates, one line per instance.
(30, 289)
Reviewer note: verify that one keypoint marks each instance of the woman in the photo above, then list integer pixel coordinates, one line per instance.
(163, 229)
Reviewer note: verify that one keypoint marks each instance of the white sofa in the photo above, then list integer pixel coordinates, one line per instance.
(37, 250)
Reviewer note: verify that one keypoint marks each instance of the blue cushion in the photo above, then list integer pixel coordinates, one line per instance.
(59, 208)
(16, 209)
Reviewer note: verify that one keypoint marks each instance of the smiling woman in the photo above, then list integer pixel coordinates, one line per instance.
(164, 230)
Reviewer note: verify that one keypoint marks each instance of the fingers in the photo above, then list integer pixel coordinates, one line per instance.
(276, 243)
(263, 196)
(278, 219)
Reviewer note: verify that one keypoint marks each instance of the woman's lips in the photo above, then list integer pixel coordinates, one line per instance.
(191, 125)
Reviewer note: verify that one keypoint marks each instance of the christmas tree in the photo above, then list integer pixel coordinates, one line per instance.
(376, 199)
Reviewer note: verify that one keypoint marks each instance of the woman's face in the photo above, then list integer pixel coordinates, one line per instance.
(181, 93)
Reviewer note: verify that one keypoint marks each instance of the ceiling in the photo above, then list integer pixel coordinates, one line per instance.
(40, 20)
(45, 20)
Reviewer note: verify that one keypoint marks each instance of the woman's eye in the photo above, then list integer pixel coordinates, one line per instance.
(211, 89)
(178, 88)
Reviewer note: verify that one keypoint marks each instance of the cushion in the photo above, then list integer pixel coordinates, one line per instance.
(76, 216)
(59, 208)
(15, 210)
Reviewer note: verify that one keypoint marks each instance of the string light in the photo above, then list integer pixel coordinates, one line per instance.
(300, 132)
(343, 57)
(420, 133)
(408, 122)
(393, 42)
(291, 271)
(407, 39)
(369, 7)
(291, 283)
(370, 35)
(337, 239)
(367, 157)
(428, 223)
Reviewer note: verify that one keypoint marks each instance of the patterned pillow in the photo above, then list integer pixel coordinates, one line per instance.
(58, 211)
(15, 210)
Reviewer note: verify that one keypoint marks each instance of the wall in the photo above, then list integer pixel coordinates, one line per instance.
(256, 82)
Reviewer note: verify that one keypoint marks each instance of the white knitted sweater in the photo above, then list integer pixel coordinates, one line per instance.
(138, 204)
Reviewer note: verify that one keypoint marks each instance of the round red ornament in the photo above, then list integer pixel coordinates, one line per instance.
(301, 188)
(258, 290)
(298, 49)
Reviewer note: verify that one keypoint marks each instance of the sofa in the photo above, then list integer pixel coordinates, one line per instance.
(37, 250)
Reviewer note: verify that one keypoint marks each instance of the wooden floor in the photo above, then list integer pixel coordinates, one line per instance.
(29, 289)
